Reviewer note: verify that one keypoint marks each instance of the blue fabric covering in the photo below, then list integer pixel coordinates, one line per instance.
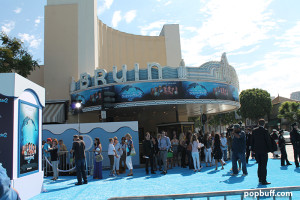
(6, 192)
(177, 181)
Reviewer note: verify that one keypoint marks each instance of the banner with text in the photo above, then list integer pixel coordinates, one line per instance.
(6, 133)
(159, 90)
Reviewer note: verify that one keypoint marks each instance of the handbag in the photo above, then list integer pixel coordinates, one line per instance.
(132, 153)
(170, 154)
(189, 147)
(99, 158)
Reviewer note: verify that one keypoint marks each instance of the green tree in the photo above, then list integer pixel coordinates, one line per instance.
(290, 111)
(196, 120)
(224, 119)
(255, 103)
(14, 57)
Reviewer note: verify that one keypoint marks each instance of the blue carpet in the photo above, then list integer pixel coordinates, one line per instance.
(177, 181)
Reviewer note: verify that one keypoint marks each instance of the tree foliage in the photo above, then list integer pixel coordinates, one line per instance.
(290, 111)
(14, 57)
(255, 103)
(196, 120)
(224, 119)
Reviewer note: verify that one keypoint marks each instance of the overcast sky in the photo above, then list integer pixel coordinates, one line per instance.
(261, 37)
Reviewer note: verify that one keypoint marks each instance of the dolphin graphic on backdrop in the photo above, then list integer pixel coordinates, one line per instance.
(130, 92)
(128, 87)
(194, 85)
(197, 90)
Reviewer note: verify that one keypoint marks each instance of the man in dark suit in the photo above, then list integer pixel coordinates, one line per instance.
(261, 144)
(295, 139)
(238, 150)
(78, 148)
(248, 143)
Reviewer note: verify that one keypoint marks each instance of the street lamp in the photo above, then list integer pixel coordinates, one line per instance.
(78, 106)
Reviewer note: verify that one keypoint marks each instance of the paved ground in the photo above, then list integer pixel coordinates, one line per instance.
(177, 181)
(289, 151)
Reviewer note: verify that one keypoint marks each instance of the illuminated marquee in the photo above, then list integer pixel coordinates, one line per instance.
(159, 85)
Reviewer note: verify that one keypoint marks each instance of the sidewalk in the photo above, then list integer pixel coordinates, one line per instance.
(177, 181)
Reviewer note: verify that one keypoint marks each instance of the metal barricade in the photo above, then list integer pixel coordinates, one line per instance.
(222, 194)
(66, 164)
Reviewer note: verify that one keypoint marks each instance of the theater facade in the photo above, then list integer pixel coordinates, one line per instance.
(85, 59)
(159, 95)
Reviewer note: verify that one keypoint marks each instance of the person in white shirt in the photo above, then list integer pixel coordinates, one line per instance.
(118, 148)
(195, 153)
(224, 146)
(111, 153)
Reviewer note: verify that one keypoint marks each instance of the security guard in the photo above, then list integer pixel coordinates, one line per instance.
(295, 139)
(281, 144)
(261, 143)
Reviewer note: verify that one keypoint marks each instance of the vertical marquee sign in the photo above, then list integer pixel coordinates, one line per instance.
(6, 133)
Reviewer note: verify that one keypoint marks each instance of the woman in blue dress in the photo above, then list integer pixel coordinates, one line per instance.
(98, 159)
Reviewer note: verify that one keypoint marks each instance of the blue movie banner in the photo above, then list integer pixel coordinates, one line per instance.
(159, 90)
(6, 133)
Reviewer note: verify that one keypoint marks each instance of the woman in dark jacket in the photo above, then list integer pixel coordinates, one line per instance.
(155, 152)
(148, 149)
(217, 152)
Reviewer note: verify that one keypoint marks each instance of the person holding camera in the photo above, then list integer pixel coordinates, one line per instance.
(238, 150)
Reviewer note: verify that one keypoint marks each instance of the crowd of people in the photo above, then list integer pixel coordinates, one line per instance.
(192, 150)
(119, 155)
(195, 150)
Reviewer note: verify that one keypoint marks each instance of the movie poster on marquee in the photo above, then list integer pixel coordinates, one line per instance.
(148, 91)
(28, 138)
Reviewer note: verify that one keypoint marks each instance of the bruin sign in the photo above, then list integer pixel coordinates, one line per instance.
(100, 75)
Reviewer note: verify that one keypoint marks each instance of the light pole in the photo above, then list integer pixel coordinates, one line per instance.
(78, 105)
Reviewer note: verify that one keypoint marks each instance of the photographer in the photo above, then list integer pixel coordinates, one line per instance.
(229, 141)
(238, 150)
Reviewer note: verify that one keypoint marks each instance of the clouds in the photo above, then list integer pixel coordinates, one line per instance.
(274, 73)
(129, 17)
(278, 71)
(32, 40)
(151, 29)
(229, 26)
(37, 21)
(18, 10)
(291, 37)
(248, 32)
(8, 27)
(104, 5)
(116, 18)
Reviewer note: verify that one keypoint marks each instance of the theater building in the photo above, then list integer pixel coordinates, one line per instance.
(85, 59)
